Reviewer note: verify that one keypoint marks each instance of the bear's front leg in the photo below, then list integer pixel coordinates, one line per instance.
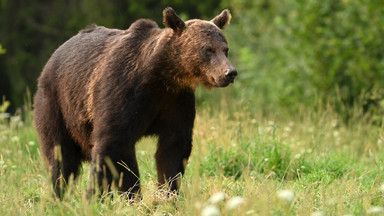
(171, 158)
(115, 171)
(175, 141)
(116, 129)
(114, 165)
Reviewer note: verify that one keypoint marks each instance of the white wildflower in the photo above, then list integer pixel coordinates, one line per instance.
(334, 123)
(141, 152)
(336, 133)
(287, 129)
(15, 118)
(198, 205)
(317, 213)
(375, 210)
(15, 139)
(379, 141)
(250, 212)
(381, 188)
(234, 202)
(210, 210)
(4, 115)
(31, 143)
(217, 197)
(286, 195)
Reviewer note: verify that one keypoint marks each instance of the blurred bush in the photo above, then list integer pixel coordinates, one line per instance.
(2, 50)
(290, 53)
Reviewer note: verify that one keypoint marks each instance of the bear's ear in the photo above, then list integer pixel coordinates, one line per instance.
(171, 20)
(222, 20)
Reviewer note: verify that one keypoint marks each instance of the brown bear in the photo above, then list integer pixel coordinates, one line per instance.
(104, 89)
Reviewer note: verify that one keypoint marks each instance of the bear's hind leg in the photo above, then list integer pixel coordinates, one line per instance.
(62, 154)
(66, 162)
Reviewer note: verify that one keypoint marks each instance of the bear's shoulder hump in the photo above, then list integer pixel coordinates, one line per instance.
(143, 24)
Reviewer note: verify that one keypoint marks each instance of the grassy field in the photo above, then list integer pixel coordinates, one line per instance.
(244, 162)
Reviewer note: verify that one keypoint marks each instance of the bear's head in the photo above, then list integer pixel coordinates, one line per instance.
(201, 49)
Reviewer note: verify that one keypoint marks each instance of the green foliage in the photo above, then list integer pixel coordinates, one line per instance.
(327, 169)
(276, 158)
(272, 158)
(2, 50)
(4, 106)
(227, 161)
(290, 52)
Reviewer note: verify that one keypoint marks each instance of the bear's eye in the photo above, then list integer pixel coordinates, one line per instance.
(209, 51)
(226, 52)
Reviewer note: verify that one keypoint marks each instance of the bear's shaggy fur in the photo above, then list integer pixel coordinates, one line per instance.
(104, 89)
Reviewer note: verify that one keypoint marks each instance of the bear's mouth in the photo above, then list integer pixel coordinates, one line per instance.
(218, 83)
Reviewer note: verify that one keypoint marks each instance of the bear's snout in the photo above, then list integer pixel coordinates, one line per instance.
(230, 74)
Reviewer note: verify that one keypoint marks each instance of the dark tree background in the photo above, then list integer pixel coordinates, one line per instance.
(31, 30)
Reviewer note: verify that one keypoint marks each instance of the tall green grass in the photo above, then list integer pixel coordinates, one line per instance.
(244, 162)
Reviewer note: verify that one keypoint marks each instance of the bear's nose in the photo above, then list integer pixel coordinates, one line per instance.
(230, 74)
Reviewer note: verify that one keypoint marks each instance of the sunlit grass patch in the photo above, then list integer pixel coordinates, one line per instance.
(242, 163)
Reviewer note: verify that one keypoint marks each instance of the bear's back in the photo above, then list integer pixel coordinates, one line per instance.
(81, 52)
(91, 44)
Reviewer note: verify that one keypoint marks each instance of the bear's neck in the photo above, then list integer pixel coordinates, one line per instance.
(165, 60)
